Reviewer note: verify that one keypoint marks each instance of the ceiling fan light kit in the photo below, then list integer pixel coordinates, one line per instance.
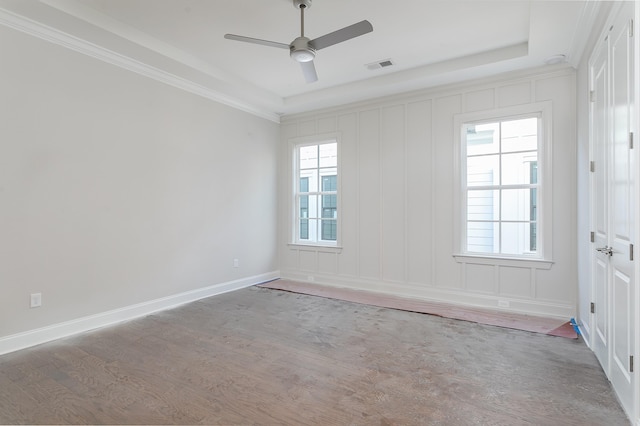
(302, 49)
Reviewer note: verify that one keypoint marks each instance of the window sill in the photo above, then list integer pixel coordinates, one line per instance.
(504, 261)
(318, 247)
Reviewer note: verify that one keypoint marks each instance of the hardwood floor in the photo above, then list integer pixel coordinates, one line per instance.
(261, 356)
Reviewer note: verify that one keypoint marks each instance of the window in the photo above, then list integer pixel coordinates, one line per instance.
(502, 197)
(316, 193)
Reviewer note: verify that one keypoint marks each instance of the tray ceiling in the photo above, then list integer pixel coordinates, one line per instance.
(429, 43)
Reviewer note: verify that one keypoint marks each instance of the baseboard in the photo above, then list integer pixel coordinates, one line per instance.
(585, 331)
(585, 337)
(35, 337)
(432, 294)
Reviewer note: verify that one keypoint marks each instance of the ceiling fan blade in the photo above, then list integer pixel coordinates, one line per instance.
(309, 71)
(346, 33)
(256, 41)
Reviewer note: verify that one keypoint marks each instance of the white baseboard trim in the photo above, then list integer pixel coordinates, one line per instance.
(585, 337)
(38, 336)
(433, 294)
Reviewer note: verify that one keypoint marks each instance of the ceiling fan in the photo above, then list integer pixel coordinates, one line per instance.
(302, 49)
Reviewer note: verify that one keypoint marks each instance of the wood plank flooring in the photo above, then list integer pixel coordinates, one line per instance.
(261, 356)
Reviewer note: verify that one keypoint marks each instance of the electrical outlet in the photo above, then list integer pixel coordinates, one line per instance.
(236, 263)
(503, 303)
(310, 278)
(36, 300)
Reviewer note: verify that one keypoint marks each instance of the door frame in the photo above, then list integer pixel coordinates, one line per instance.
(636, 131)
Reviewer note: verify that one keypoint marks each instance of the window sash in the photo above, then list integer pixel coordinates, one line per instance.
(316, 195)
(502, 234)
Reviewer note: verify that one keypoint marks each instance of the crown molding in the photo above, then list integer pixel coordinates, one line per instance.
(52, 35)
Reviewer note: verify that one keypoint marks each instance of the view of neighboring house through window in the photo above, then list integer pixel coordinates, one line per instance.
(317, 193)
(329, 207)
(304, 208)
(501, 188)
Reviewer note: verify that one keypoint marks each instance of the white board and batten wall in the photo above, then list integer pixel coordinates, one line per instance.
(397, 186)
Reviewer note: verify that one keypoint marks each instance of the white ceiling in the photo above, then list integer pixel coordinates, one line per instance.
(431, 42)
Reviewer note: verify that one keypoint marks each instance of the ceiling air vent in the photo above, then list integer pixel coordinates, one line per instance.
(379, 64)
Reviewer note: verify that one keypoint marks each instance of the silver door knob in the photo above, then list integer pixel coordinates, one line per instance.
(605, 250)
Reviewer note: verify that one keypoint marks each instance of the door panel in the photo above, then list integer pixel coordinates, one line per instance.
(601, 325)
(622, 339)
(621, 343)
(599, 191)
(622, 199)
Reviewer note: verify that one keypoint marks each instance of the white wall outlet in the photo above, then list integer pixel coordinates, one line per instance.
(236, 263)
(503, 303)
(36, 300)
(311, 278)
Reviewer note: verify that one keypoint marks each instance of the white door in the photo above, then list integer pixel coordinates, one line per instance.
(599, 189)
(613, 196)
(622, 199)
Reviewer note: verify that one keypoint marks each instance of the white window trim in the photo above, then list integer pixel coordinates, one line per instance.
(544, 259)
(294, 144)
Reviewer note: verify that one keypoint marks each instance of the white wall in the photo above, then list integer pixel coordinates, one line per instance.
(397, 186)
(117, 190)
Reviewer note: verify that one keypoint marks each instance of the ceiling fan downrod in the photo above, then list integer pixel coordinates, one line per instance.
(302, 8)
(302, 5)
(300, 49)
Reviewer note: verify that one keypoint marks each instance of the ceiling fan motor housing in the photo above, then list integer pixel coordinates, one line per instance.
(301, 51)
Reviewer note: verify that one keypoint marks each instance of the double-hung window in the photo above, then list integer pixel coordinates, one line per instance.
(316, 193)
(504, 185)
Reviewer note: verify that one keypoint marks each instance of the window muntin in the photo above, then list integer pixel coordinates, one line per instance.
(316, 193)
(500, 186)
